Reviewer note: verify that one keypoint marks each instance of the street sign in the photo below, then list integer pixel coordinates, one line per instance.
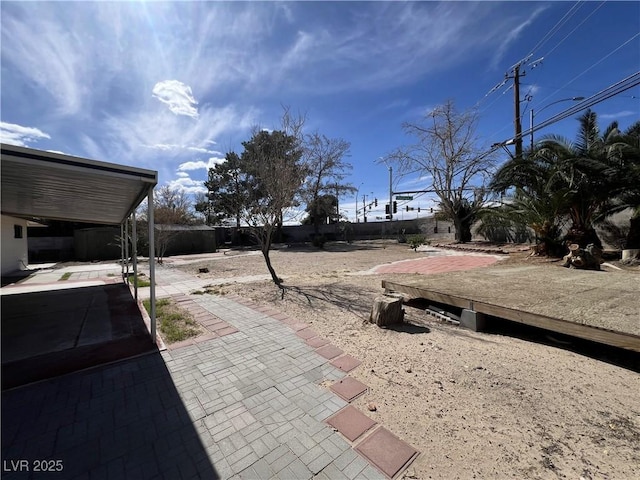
(404, 197)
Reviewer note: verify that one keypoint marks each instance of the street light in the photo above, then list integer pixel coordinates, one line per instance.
(531, 114)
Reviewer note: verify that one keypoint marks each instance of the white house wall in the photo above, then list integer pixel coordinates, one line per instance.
(14, 250)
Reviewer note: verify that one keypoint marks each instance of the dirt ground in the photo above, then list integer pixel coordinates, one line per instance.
(476, 405)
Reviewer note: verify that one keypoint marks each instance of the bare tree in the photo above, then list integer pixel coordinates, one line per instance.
(171, 207)
(272, 162)
(326, 170)
(447, 150)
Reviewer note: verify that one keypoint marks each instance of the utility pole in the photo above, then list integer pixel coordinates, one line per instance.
(517, 73)
(518, 122)
(516, 101)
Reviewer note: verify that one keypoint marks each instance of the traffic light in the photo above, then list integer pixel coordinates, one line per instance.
(418, 209)
(375, 202)
(386, 209)
(407, 208)
(395, 207)
(432, 210)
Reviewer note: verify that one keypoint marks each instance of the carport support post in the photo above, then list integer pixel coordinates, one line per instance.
(122, 251)
(152, 266)
(134, 254)
(126, 246)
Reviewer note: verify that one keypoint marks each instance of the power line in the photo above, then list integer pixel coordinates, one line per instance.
(572, 11)
(575, 28)
(592, 66)
(611, 91)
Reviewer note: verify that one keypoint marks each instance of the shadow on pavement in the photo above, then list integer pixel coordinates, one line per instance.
(125, 420)
(51, 333)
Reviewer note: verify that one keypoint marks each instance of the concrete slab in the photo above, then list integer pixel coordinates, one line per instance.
(351, 422)
(387, 452)
(316, 342)
(348, 388)
(346, 362)
(49, 333)
(600, 306)
(50, 287)
(329, 351)
(307, 333)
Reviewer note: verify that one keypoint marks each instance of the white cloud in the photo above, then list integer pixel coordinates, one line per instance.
(204, 150)
(140, 134)
(166, 147)
(513, 34)
(182, 174)
(423, 181)
(49, 55)
(177, 96)
(187, 185)
(615, 116)
(197, 165)
(19, 135)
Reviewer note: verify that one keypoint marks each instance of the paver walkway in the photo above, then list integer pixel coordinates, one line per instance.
(243, 405)
(243, 401)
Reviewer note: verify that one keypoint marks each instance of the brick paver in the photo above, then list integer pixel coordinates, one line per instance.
(241, 405)
(233, 405)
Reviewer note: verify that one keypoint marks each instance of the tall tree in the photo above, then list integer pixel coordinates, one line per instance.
(272, 162)
(322, 211)
(594, 171)
(583, 182)
(227, 190)
(447, 150)
(171, 207)
(326, 171)
(630, 197)
(537, 201)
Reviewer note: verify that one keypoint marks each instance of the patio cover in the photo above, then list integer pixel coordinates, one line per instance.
(39, 184)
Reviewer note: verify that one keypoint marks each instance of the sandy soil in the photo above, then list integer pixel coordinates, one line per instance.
(475, 405)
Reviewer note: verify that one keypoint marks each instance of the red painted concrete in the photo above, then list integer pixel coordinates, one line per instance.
(428, 265)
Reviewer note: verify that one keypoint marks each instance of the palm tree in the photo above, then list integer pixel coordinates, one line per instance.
(630, 197)
(537, 201)
(592, 173)
(585, 181)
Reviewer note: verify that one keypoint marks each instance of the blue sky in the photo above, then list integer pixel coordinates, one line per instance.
(172, 86)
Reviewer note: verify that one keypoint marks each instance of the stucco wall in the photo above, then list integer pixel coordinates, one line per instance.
(14, 250)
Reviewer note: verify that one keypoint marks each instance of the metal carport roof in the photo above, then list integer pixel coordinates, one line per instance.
(41, 184)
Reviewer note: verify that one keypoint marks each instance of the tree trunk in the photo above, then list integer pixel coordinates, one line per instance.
(583, 236)
(633, 237)
(588, 258)
(387, 310)
(463, 230)
(274, 276)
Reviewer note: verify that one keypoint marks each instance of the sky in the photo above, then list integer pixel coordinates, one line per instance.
(173, 86)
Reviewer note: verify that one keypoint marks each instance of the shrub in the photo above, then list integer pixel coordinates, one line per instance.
(416, 240)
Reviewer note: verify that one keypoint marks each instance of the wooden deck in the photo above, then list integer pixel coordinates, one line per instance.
(599, 306)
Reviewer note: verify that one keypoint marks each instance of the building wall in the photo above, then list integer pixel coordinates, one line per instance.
(50, 249)
(14, 250)
(99, 243)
